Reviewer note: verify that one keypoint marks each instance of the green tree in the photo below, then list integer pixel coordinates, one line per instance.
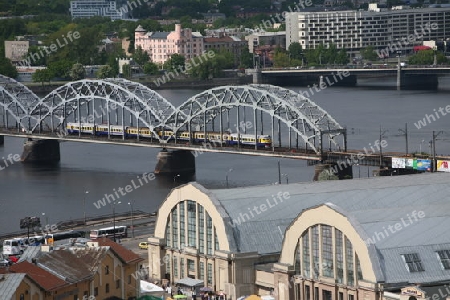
(77, 72)
(175, 62)
(426, 57)
(281, 59)
(151, 68)
(7, 68)
(246, 59)
(61, 68)
(44, 75)
(369, 53)
(126, 70)
(342, 58)
(140, 56)
(105, 72)
(295, 50)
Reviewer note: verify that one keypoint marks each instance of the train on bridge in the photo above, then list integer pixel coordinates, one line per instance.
(128, 132)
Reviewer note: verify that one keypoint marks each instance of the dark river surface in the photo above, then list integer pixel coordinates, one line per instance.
(59, 192)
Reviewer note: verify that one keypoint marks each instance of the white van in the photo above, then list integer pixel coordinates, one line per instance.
(13, 247)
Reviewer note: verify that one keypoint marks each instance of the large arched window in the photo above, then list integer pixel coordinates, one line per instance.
(189, 224)
(323, 250)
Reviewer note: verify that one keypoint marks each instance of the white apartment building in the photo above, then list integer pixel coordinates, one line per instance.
(353, 30)
(102, 8)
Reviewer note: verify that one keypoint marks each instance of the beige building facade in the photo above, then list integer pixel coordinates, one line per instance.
(361, 239)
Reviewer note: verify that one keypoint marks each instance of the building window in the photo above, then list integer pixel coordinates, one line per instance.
(201, 230)
(129, 279)
(168, 237)
(175, 229)
(191, 265)
(202, 271)
(209, 273)
(327, 252)
(75, 297)
(96, 291)
(307, 292)
(316, 293)
(117, 283)
(182, 227)
(339, 257)
(351, 297)
(341, 296)
(413, 263)
(208, 235)
(107, 288)
(444, 256)
(349, 253)
(192, 223)
(181, 267)
(175, 267)
(315, 250)
(106, 270)
(326, 295)
(306, 256)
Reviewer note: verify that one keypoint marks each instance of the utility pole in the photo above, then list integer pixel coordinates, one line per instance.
(381, 148)
(433, 144)
(279, 173)
(405, 132)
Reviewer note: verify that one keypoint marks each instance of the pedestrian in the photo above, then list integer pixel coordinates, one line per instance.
(194, 294)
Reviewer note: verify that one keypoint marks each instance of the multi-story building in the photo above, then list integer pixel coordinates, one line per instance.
(353, 30)
(266, 38)
(101, 269)
(16, 50)
(102, 8)
(231, 44)
(369, 239)
(161, 45)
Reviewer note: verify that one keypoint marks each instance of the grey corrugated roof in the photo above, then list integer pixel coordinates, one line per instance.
(373, 204)
(9, 284)
(159, 35)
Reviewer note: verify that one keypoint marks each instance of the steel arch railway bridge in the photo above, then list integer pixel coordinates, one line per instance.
(283, 114)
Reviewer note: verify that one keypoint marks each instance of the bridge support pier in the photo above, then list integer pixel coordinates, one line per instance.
(256, 73)
(413, 82)
(41, 152)
(2, 140)
(175, 163)
(332, 171)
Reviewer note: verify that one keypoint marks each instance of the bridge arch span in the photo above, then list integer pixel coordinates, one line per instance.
(16, 102)
(299, 114)
(108, 101)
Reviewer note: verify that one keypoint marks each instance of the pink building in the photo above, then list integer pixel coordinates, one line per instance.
(161, 45)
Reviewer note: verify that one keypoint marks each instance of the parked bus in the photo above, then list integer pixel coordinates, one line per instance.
(58, 236)
(120, 232)
(14, 246)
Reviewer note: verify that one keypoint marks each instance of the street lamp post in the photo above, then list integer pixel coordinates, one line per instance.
(114, 219)
(381, 151)
(175, 178)
(84, 205)
(132, 227)
(226, 176)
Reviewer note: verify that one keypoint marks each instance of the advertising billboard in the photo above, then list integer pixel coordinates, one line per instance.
(443, 166)
(398, 163)
(423, 165)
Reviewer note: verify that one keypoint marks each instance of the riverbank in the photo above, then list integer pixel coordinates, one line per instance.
(153, 83)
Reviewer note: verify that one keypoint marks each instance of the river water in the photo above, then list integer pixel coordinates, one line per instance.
(60, 192)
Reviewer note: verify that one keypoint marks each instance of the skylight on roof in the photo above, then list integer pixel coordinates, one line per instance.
(444, 256)
(413, 263)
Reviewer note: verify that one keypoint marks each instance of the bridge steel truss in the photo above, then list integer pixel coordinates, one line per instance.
(120, 100)
(108, 102)
(16, 102)
(301, 115)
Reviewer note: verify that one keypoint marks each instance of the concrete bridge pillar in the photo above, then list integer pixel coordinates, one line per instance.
(256, 73)
(41, 151)
(2, 140)
(332, 171)
(178, 162)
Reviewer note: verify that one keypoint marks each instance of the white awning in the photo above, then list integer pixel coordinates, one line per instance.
(190, 282)
(150, 288)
